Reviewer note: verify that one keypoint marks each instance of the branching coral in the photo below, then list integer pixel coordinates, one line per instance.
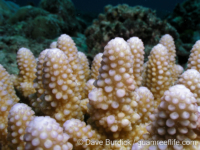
(176, 118)
(6, 103)
(168, 41)
(146, 104)
(194, 58)
(78, 130)
(137, 49)
(61, 98)
(158, 75)
(7, 100)
(27, 66)
(89, 86)
(191, 79)
(116, 107)
(18, 119)
(46, 133)
(177, 115)
(67, 45)
(6, 80)
(53, 45)
(177, 70)
(96, 65)
(38, 81)
(110, 103)
(35, 98)
(85, 64)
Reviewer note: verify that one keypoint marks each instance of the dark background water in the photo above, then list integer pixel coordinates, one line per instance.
(98, 5)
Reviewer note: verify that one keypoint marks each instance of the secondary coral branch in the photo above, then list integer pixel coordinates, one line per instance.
(18, 119)
(137, 49)
(27, 66)
(111, 106)
(67, 45)
(46, 133)
(61, 98)
(158, 75)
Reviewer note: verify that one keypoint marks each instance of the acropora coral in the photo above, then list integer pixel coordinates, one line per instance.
(118, 104)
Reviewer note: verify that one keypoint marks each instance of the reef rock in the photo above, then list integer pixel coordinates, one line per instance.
(184, 19)
(125, 21)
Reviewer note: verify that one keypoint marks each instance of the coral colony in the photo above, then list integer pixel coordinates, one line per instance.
(121, 103)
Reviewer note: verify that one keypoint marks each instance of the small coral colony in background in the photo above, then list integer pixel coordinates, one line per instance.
(66, 105)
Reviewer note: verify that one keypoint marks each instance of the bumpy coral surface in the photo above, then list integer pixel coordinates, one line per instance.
(85, 64)
(89, 86)
(96, 65)
(7, 100)
(191, 79)
(78, 130)
(18, 119)
(176, 118)
(168, 41)
(194, 58)
(137, 49)
(46, 133)
(145, 102)
(177, 115)
(158, 75)
(34, 99)
(6, 103)
(111, 103)
(6, 79)
(27, 66)
(53, 45)
(117, 113)
(67, 45)
(177, 70)
(38, 81)
(61, 98)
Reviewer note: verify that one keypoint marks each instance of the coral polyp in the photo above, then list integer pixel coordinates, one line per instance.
(118, 104)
